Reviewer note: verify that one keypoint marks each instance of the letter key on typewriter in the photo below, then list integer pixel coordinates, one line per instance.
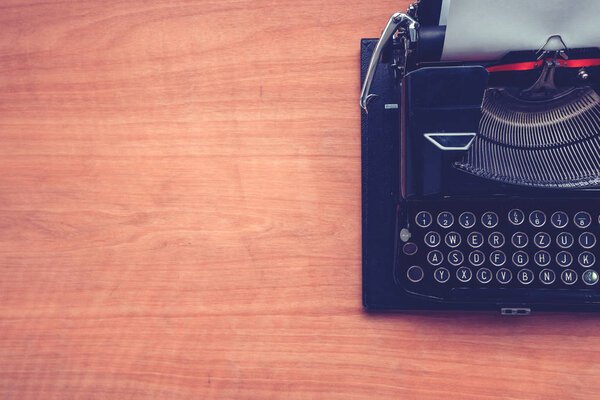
(481, 159)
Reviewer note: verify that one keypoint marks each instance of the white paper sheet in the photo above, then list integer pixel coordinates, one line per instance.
(444, 12)
(482, 30)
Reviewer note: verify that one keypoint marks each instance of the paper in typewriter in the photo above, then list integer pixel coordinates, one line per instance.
(482, 30)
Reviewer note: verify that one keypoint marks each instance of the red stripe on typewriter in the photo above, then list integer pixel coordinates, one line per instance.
(524, 66)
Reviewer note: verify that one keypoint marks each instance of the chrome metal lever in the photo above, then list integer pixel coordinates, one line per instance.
(397, 21)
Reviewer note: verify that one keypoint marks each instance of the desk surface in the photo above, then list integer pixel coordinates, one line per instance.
(180, 218)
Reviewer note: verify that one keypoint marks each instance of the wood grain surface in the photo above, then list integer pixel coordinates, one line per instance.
(180, 218)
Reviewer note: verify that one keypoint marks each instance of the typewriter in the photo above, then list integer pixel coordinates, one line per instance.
(481, 158)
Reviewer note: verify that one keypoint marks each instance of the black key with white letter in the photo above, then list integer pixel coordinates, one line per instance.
(547, 276)
(441, 275)
(452, 239)
(484, 275)
(568, 276)
(464, 274)
(586, 259)
(504, 276)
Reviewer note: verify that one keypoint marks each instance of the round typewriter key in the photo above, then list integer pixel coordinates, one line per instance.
(467, 220)
(564, 240)
(423, 219)
(484, 275)
(547, 276)
(587, 240)
(476, 258)
(503, 275)
(568, 276)
(441, 275)
(516, 216)
(564, 259)
(586, 259)
(525, 276)
(445, 219)
(541, 240)
(520, 258)
(582, 219)
(435, 257)
(452, 239)
(410, 248)
(496, 240)
(498, 258)
(489, 219)
(475, 239)
(415, 274)
(537, 218)
(456, 257)
(432, 239)
(559, 219)
(519, 240)
(590, 277)
(542, 258)
(464, 274)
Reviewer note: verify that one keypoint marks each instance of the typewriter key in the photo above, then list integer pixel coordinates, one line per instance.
(542, 258)
(586, 259)
(590, 277)
(432, 239)
(456, 257)
(559, 219)
(519, 240)
(452, 239)
(564, 240)
(415, 274)
(496, 240)
(587, 240)
(520, 258)
(582, 219)
(445, 219)
(441, 275)
(484, 275)
(537, 218)
(568, 276)
(467, 220)
(435, 257)
(476, 258)
(410, 248)
(564, 258)
(489, 219)
(503, 276)
(547, 276)
(498, 258)
(423, 219)
(516, 216)
(475, 239)
(541, 240)
(525, 276)
(464, 274)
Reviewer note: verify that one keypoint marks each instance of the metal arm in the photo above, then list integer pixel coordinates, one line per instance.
(397, 21)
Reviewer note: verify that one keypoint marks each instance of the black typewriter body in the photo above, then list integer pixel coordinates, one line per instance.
(461, 212)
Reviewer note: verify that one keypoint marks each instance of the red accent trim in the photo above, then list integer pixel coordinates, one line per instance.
(524, 66)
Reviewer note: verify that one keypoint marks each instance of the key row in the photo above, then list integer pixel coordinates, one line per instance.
(542, 240)
(519, 258)
(503, 276)
(490, 219)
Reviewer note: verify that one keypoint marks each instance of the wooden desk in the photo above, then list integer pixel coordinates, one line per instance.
(180, 218)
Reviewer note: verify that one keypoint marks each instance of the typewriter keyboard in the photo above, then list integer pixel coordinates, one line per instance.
(513, 246)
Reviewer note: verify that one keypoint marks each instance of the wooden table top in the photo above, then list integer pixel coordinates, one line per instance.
(180, 218)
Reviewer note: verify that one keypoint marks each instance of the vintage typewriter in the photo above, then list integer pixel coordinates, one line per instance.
(481, 158)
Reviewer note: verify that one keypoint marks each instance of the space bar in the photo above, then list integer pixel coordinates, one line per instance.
(510, 295)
